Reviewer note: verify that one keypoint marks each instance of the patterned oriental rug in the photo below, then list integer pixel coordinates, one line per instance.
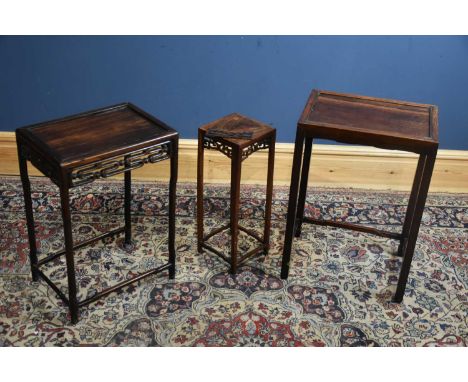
(338, 292)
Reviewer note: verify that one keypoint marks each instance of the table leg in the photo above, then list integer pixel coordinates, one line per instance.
(269, 195)
(293, 189)
(23, 165)
(303, 185)
(172, 206)
(411, 204)
(127, 208)
(413, 230)
(235, 204)
(66, 216)
(200, 192)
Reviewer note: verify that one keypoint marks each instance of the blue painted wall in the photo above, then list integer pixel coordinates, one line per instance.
(188, 81)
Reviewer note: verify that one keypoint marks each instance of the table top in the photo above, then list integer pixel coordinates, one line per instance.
(239, 124)
(353, 118)
(97, 134)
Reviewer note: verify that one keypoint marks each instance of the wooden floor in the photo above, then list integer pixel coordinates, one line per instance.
(332, 166)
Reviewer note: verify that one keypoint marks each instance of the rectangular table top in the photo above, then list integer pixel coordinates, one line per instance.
(352, 118)
(96, 135)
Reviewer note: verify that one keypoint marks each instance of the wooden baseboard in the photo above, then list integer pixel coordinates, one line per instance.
(332, 166)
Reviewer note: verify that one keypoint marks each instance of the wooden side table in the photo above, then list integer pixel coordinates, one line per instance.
(237, 137)
(79, 149)
(383, 123)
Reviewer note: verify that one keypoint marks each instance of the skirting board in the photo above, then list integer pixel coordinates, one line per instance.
(331, 166)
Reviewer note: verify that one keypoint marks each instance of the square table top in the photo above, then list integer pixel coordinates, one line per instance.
(359, 119)
(236, 123)
(96, 135)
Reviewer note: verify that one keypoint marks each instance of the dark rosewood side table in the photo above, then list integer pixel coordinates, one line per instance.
(237, 137)
(383, 123)
(79, 149)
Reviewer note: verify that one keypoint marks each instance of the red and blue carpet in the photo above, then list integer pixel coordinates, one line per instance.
(338, 292)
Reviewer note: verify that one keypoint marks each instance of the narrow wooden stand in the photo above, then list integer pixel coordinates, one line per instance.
(237, 137)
